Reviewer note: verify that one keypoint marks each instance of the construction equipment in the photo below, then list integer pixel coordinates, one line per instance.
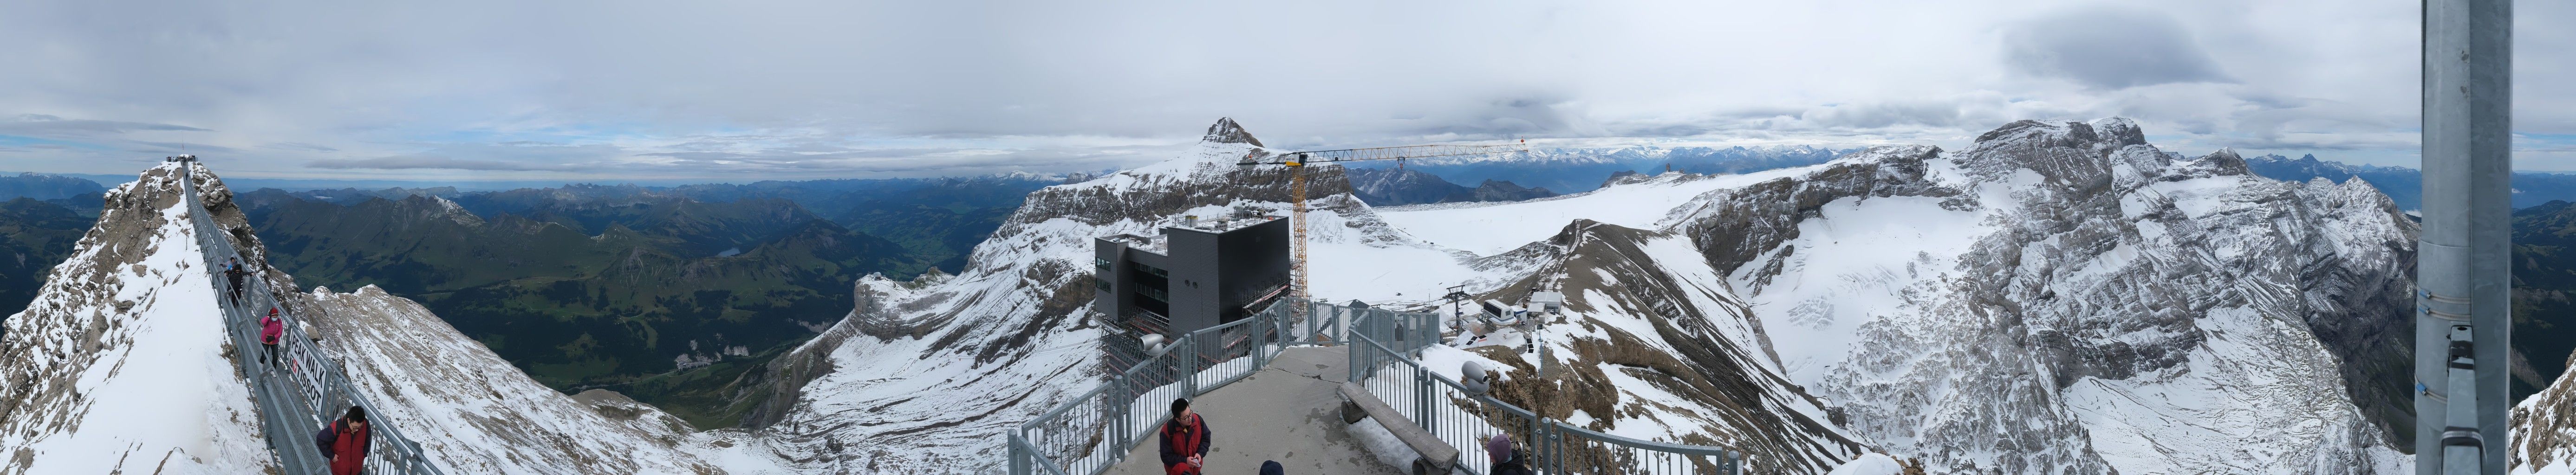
(1297, 163)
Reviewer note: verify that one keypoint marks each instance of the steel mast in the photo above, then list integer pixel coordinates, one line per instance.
(2463, 311)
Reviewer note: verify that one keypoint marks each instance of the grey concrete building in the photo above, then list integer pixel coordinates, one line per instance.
(1195, 275)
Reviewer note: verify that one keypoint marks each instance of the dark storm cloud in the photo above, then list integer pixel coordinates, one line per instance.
(2109, 48)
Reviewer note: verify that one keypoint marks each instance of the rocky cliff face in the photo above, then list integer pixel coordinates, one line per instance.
(121, 363)
(2062, 295)
(1651, 348)
(2544, 431)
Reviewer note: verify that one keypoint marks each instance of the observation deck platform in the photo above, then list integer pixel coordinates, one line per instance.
(1289, 411)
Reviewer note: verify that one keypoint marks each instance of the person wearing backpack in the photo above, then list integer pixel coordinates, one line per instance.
(235, 274)
(345, 442)
(270, 329)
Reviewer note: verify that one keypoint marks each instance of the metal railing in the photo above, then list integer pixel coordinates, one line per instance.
(1444, 408)
(1095, 430)
(304, 389)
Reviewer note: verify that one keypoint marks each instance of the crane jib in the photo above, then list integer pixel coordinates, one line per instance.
(1294, 159)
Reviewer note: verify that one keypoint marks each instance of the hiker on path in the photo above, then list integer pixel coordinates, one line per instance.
(235, 273)
(270, 329)
(1185, 441)
(344, 442)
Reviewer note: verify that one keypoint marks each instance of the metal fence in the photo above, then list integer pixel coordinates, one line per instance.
(303, 389)
(1444, 408)
(1095, 431)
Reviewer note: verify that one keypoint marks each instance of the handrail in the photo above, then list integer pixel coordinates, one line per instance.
(288, 402)
(1544, 437)
(1092, 432)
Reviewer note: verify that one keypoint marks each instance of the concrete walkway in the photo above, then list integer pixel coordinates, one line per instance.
(1289, 412)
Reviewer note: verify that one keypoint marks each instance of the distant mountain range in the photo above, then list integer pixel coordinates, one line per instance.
(1397, 186)
(1576, 170)
(2406, 185)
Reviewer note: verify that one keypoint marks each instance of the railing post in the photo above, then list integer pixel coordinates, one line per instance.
(1311, 318)
(1555, 448)
(1538, 442)
(1019, 452)
(1422, 387)
(1188, 353)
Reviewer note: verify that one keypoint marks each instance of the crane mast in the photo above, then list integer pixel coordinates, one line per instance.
(1297, 162)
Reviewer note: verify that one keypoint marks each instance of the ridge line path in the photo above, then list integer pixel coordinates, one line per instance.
(302, 379)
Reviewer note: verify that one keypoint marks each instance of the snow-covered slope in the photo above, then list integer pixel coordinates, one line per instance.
(121, 364)
(470, 410)
(475, 413)
(2063, 295)
(2060, 296)
(923, 374)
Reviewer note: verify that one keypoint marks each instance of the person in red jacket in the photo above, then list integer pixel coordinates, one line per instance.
(270, 329)
(1185, 441)
(345, 442)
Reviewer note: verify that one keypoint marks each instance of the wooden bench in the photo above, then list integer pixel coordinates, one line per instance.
(1437, 456)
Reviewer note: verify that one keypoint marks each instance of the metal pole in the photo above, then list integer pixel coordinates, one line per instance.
(2463, 314)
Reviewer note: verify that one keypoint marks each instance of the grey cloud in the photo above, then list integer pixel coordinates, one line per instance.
(489, 157)
(48, 126)
(868, 87)
(436, 162)
(299, 146)
(184, 146)
(2109, 48)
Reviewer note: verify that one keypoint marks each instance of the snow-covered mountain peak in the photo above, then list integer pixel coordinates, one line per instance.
(121, 362)
(1226, 131)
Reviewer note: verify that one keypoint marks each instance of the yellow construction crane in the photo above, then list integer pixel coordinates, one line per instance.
(1298, 161)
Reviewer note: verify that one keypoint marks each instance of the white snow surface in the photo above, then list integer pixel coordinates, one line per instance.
(1870, 464)
(1882, 301)
(473, 412)
(1488, 228)
(123, 365)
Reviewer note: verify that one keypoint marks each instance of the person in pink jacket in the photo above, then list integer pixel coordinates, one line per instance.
(270, 329)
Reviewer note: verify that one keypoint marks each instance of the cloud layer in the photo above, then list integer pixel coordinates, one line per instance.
(791, 89)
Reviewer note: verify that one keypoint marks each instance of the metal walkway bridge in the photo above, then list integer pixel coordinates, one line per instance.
(1096, 432)
(305, 388)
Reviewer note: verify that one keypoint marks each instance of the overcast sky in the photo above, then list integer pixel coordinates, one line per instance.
(743, 90)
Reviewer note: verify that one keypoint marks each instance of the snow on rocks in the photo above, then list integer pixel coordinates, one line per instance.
(473, 412)
(2088, 303)
(121, 364)
(1870, 464)
(923, 374)
(2055, 297)
(2544, 431)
